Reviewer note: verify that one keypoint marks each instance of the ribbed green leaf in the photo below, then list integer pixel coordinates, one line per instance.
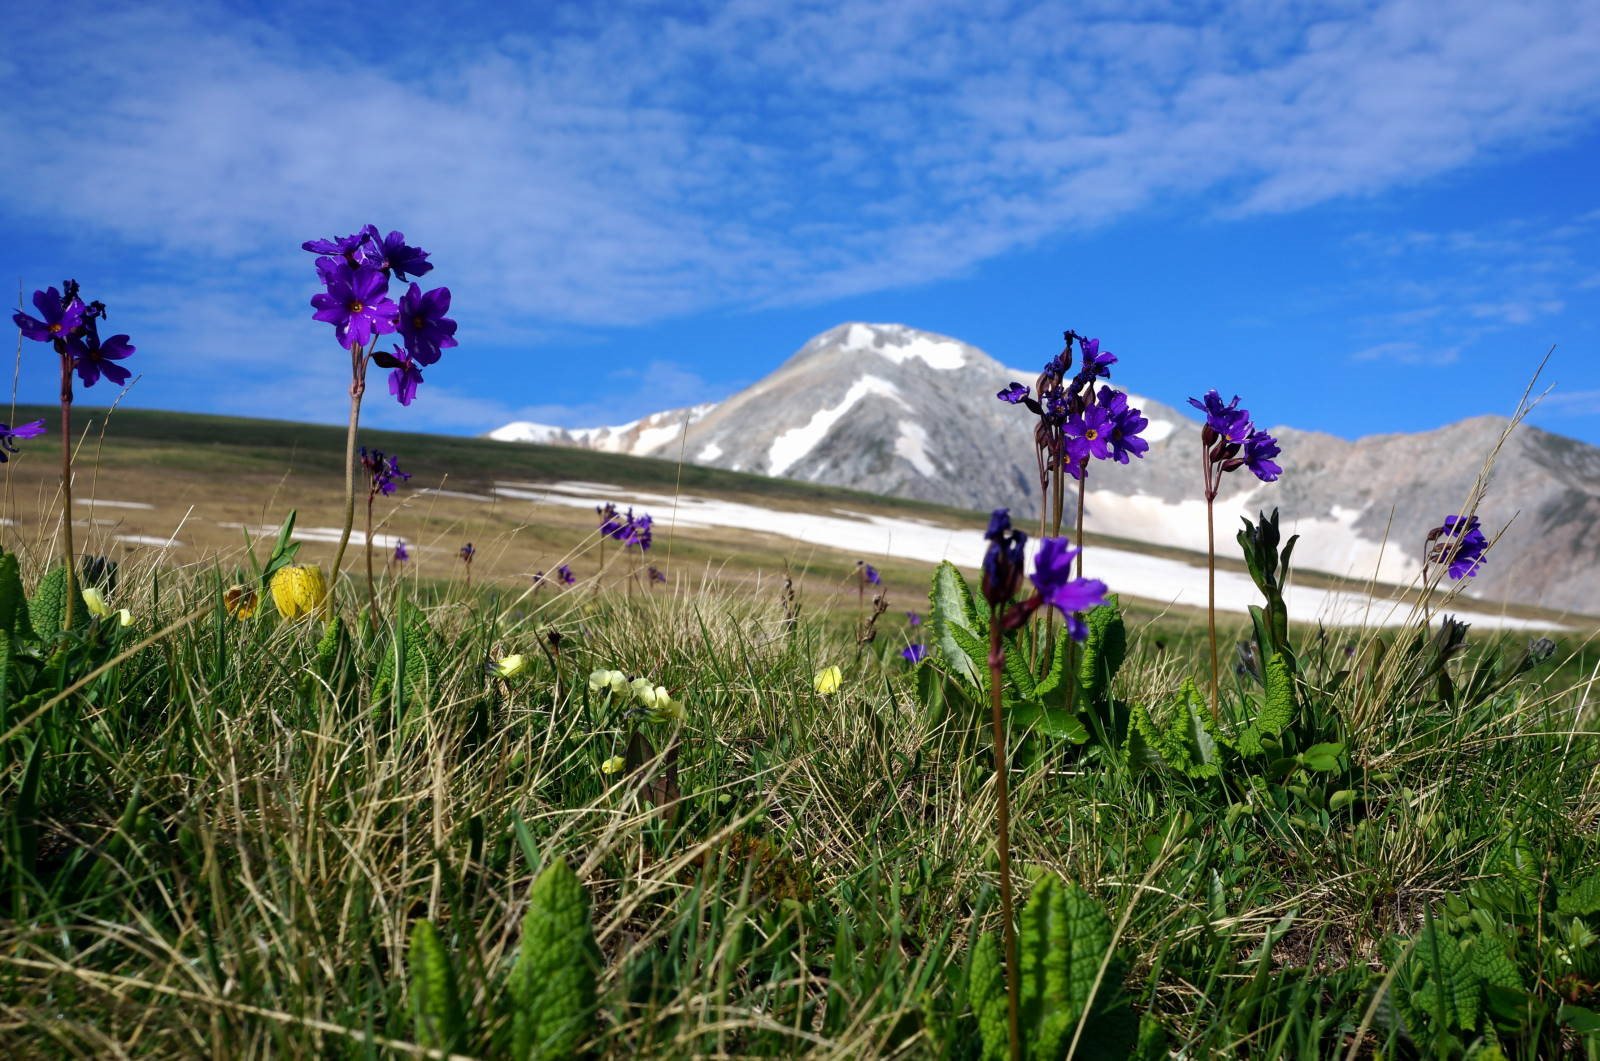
(951, 609)
(435, 1000)
(553, 983)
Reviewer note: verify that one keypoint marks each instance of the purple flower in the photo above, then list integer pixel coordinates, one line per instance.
(1463, 550)
(391, 253)
(93, 358)
(1002, 564)
(1087, 435)
(9, 436)
(385, 471)
(405, 378)
(423, 324)
(869, 574)
(637, 532)
(657, 575)
(1228, 421)
(356, 303)
(1126, 425)
(564, 573)
(1095, 364)
(58, 318)
(352, 250)
(401, 553)
(914, 653)
(611, 522)
(467, 552)
(1259, 449)
(1013, 394)
(1052, 577)
(913, 619)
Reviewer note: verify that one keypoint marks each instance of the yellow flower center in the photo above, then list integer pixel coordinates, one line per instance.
(55, 328)
(417, 322)
(1091, 434)
(355, 307)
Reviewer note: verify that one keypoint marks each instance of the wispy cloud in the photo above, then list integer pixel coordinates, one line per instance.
(624, 164)
(1408, 353)
(1570, 403)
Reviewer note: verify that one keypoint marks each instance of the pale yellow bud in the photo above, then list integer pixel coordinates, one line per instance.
(827, 680)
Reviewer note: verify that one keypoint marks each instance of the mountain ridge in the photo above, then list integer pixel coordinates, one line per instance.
(909, 413)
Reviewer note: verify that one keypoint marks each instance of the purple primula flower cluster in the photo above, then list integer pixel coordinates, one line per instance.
(355, 271)
(467, 552)
(383, 471)
(1459, 543)
(631, 531)
(72, 327)
(565, 576)
(1052, 578)
(1233, 441)
(868, 574)
(1078, 420)
(401, 553)
(914, 653)
(657, 575)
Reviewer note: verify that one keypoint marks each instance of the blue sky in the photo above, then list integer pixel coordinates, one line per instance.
(1363, 217)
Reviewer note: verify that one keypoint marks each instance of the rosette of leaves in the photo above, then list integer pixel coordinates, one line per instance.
(1071, 979)
(552, 989)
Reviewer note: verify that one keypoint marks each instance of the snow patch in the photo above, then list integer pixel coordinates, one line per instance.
(527, 431)
(709, 452)
(900, 344)
(1129, 573)
(792, 445)
(912, 445)
(100, 502)
(146, 539)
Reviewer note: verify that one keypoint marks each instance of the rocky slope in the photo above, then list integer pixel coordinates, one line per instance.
(894, 410)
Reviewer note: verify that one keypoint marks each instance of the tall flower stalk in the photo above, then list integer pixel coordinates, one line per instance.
(1054, 586)
(355, 271)
(70, 326)
(1228, 441)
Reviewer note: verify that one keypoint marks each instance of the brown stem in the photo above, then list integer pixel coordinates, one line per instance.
(1211, 601)
(66, 489)
(1083, 483)
(1003, 814)
(358, 387)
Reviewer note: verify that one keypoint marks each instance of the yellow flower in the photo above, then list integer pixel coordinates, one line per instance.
(124, 617)
(612, 765)
(827, 680)
(240, 601)
(96, 602)
(643, 691)
(614, 680)
(508, 667)
(299, 591)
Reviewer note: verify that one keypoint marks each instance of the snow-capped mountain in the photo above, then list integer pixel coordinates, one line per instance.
(893, 410)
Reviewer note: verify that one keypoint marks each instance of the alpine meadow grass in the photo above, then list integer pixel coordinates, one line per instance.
(252, 808)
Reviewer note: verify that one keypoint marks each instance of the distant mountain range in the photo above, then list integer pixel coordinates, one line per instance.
(893, 410)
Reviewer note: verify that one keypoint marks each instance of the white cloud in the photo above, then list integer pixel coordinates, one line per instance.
(622, 168)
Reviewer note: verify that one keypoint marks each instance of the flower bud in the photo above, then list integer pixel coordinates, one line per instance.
(299, 591)
(1002, 565)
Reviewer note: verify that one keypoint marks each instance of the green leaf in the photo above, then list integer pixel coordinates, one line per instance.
(1581, 899)
(951, 613)
(986, 994)
(1100, 655)
(283, 550)
(1581, 1020)
(1048, 720)
(13, 600)
(1323, 758)
(1023, 687)
(1064, 939)
(413, 653)
(553, 983)
(48, 605)
(1278, 708)
(435, 999)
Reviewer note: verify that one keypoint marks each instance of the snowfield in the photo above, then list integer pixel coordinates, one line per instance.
(1132, 574)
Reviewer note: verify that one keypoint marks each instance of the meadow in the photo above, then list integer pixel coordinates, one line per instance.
(251, 810)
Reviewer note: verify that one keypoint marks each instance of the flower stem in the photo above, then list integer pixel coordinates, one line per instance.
(358, 386)
(1003, 815)
(1211, 601)
(66, 489)
(1083, 484)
